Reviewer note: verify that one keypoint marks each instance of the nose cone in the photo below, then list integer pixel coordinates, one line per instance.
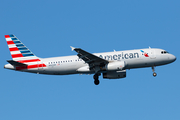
(172, 58)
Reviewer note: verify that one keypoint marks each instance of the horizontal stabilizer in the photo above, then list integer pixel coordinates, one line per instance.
(15, 63)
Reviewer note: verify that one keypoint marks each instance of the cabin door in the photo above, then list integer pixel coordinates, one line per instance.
(152, 54)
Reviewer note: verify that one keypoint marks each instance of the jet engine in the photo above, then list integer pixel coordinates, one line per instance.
(119, 65)
(114, 74)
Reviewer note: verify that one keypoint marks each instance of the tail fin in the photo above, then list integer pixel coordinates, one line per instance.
(18, 50)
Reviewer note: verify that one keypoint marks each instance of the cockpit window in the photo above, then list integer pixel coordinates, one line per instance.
(164, 52)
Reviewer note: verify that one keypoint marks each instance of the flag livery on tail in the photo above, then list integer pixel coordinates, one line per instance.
(21, 54)
(17, 48)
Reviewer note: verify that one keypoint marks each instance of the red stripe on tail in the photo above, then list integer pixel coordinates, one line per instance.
(17, 55)
(7, 36)
(13, 49)
(10, 42)
(26, 61)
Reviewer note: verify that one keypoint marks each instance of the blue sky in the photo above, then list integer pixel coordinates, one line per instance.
(48, 28)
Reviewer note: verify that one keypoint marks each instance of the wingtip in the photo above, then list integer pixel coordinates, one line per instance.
(72, 48)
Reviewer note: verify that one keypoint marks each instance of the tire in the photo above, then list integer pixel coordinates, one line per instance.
(96, 82)
(154, 74)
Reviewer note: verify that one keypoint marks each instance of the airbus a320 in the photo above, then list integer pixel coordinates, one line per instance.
(111, 65)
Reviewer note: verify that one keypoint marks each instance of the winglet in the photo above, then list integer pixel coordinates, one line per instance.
(72, 48)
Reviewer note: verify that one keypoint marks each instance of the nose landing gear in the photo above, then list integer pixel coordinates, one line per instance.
(154, 74)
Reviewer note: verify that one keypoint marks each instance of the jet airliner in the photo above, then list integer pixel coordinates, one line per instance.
(111, 65)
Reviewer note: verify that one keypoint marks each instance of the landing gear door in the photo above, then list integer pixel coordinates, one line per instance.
(152, 54)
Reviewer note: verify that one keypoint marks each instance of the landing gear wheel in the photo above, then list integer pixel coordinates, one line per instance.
(154, 74)
(96, 79)
(96, 82)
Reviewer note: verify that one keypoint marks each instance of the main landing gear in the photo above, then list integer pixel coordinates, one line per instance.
(154, 74)
(96, 79)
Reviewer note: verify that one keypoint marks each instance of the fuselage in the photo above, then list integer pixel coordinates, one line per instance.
(138, 58)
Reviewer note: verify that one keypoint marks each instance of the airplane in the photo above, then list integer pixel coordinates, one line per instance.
(112, 65)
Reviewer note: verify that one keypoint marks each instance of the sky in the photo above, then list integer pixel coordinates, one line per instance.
(49, 27)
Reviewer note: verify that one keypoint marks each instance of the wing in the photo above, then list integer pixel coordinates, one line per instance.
(89, 58)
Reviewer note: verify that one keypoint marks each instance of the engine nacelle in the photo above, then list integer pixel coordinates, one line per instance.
(84, 69)
(114, 74)
(120, 65)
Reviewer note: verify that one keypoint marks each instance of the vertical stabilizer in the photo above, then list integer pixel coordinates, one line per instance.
(18, 50)
(22, 57)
